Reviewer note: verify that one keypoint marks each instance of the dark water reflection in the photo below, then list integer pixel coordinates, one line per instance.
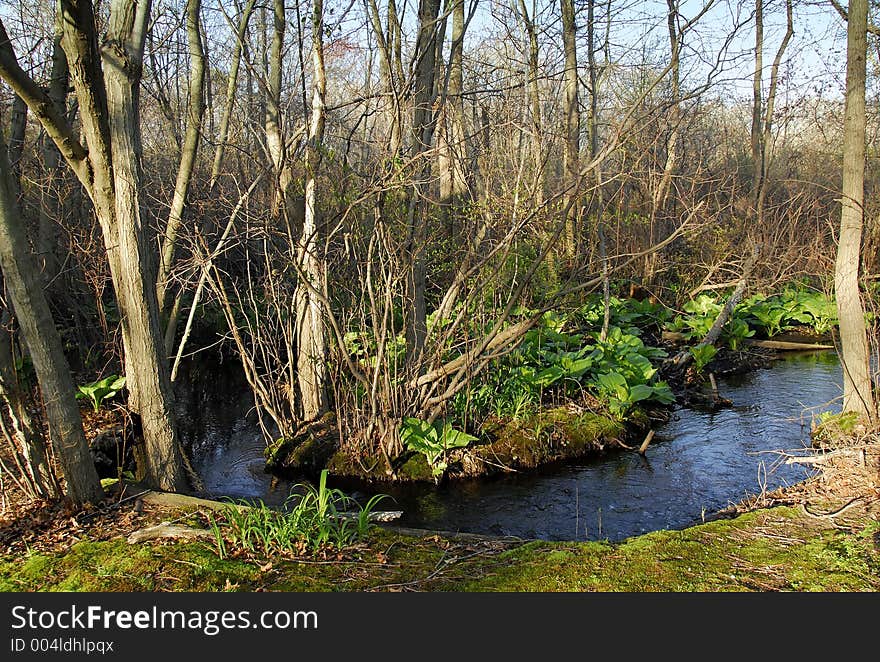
(698, 463)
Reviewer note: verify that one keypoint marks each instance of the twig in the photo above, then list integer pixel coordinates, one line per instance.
(849, 504)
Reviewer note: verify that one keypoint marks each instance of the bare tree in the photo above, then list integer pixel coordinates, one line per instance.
(858, 393)
(311, 347)
(188, 153)
(571, 127)
(58, 391)
(108, 167)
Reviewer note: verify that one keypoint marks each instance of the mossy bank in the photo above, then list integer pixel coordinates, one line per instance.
(777, 549)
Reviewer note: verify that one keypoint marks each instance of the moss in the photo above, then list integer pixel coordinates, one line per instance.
(277, 452)
(550, 436)
(308, 451)
(728, 555)
(416, 467)
(803, 554)
(117, 566)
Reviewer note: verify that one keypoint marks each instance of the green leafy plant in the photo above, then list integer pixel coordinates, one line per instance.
(551, 363)
(318, 518)
(769, 316)
(433, 440)
(814, 309)
(622, 396)
(736, 331)
(99, 391)
(703, 354)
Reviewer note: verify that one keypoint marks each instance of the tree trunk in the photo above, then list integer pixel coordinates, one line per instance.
(44, 343)
(762, 115)
(311, 343)
(534, 104)
(451, 157)
(423, 124)
(110, 171)
(26, 444)
(231, 87)
(757, 101)
(857, 385)
(51, 206)
(273, 122)
(662, 190)
(571, 129)
(188, 153)
(598, 196)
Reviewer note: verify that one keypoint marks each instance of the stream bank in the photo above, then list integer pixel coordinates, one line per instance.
(699, 461)
(820, 535)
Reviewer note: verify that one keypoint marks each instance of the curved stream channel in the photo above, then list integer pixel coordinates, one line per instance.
(698, 463)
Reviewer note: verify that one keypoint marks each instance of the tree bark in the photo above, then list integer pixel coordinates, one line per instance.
(231, 87)
(110, 172)
(188, 153)
(571, 128)
(757, 100)
(423, 124)
(29, 451)
(857, 384)
(451, 157)
(662, 190)
(52, 207)
(762, 112)
(44, 343)
(311, 343)
(534, 104)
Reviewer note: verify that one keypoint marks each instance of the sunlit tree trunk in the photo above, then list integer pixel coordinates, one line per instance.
(423, 124)
(662, 190)
(857, 385)
(231, 89)
(311, 335)
(534, 92)
(762, 111)
(451, 141)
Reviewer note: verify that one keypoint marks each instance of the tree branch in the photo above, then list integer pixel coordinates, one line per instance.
(873, 29)
(44, 109)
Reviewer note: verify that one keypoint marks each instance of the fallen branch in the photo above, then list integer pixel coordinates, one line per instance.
(819, 459)
(685, 357)
(647, 441)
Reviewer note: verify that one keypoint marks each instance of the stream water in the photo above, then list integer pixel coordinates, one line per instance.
(698, 463)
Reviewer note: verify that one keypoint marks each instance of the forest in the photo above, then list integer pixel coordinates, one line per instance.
(427, 242)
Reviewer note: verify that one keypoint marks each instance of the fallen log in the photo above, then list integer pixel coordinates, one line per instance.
(781, 345)
(784, 345)
(166, 530)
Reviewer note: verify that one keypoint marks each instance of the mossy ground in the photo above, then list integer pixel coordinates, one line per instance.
(782, 548)
(768, 550)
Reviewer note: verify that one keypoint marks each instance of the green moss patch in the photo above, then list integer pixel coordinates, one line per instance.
(778, 549)
(549, 436)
